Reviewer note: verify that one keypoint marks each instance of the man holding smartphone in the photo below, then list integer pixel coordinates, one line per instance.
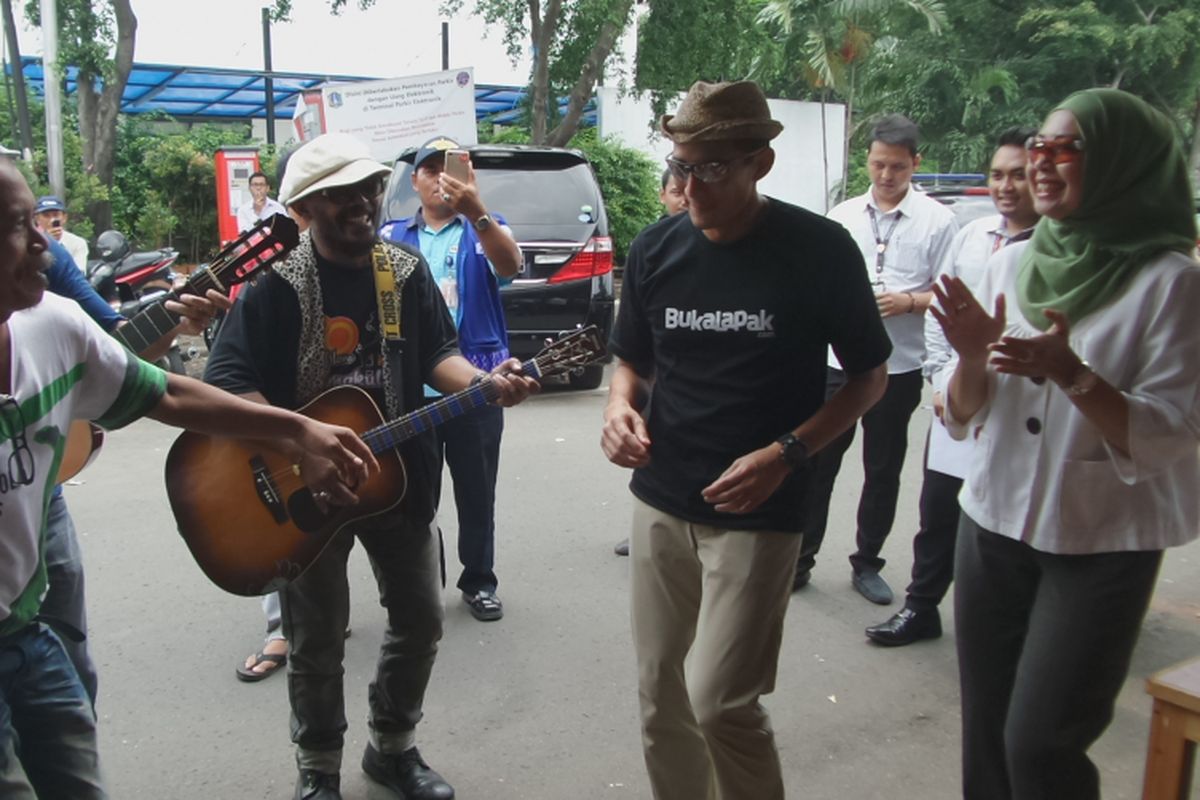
(469, 252)
(50, 214)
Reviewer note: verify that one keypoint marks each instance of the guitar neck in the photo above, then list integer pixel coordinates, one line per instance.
(389, 435)
(155, 321)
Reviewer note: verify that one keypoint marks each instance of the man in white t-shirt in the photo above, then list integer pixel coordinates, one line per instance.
(903, 235)
(51, 216)
(56, 365)
(259, 206)
(946, 459)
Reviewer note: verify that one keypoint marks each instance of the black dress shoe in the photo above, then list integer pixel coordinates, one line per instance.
(907, 626)
(406, 774)
(314, 785)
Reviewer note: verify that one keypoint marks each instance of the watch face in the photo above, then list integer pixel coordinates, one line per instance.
(483, 222)
(794, 453)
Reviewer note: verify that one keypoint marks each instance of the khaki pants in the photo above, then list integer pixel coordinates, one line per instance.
(718, 597)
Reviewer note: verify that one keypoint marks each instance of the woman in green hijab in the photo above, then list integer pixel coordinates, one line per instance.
(1085, 401)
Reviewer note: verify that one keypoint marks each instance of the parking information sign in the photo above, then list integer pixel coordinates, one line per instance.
(390, 115)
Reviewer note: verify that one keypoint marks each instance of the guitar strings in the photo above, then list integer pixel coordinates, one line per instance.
(434, 409)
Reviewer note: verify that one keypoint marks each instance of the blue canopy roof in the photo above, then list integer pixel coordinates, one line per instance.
(214, 93)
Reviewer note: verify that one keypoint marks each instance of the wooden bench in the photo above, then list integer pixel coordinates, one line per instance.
(1174, 732)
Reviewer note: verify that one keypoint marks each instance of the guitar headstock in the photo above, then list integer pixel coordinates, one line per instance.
(572, 351)
(268, 241)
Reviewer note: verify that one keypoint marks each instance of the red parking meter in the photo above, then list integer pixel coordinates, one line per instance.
(234, 166)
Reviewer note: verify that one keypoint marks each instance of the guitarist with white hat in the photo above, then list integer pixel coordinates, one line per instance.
(346, 309)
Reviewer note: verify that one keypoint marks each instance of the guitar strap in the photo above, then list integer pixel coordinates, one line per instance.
(386, 294)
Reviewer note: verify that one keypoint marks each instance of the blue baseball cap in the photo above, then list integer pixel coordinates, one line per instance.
(435, 146)
(49, 203)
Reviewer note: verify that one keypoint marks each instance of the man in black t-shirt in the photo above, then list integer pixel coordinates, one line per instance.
(716, 402)
(345, 309)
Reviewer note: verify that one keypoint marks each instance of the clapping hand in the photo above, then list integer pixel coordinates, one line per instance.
(969, 329)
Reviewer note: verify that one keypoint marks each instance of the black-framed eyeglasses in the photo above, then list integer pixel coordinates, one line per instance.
(20, 461)
(367, 189)
(709, 171)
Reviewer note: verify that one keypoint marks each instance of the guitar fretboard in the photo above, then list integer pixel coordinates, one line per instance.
(391, 434)
(254, 250)
(155, 321)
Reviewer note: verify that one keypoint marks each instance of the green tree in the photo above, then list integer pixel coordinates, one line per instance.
(629, 182)
(98, 37)
(683, 41)
(166, 191)
(833, 42)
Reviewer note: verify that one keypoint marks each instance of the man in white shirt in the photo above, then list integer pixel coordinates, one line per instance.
(259, 206)
(50, 214)
(903, 236)
(945, 458)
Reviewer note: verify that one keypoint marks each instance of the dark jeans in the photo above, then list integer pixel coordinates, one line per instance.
(1044, 644)
(933, 546)
(471, 444)
(885, 442)
(405, 558)
(47, 727)
(64, 606)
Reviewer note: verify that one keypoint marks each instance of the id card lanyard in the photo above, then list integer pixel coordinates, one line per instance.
(881, 245)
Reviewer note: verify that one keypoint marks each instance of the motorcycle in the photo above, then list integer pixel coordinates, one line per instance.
(121, 275)
(133, 281)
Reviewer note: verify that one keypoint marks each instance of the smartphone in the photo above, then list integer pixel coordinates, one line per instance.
(458, 165)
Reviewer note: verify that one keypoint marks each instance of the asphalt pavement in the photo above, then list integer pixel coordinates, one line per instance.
(541, 705)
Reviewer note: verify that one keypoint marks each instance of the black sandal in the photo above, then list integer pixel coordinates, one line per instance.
(484, 605)
(249, 675)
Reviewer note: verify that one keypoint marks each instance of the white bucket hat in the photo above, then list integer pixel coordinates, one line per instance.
(331, 159)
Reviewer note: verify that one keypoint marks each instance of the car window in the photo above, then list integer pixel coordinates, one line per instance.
(531, 199)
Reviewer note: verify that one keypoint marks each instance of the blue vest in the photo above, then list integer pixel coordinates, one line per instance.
(482, 334)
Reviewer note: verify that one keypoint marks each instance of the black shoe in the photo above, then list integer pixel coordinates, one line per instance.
(801, 579)
(406, 774)
(872, 586)
(314, 785)
(907, 626)
(622, 548)
(484, 605)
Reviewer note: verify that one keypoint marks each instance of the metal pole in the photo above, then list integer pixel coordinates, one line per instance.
(268, 83)
(445, 46)
(10, 31)
(54, 151)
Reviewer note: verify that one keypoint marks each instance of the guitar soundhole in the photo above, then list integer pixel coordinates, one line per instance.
(304, 512)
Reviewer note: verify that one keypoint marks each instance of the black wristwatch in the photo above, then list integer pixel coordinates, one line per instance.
(794, 453)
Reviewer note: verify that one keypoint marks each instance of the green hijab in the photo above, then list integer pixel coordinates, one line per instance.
(1137, 202)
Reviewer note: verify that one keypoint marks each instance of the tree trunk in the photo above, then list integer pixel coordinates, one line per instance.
(1195, 159)
(541, 33)
(98, 112)
(846, 137)
(586, 84)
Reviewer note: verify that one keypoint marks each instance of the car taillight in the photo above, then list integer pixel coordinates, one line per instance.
(596, 258)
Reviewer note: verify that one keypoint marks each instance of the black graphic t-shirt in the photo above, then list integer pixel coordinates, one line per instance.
(735, 337)
(352, 327)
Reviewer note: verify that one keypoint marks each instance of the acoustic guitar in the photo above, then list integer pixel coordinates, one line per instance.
(244, 511)
(243, 258)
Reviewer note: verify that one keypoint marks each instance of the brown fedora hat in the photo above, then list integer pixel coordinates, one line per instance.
(714, 112)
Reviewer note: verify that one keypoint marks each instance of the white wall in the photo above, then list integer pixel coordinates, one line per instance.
(796, 176)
